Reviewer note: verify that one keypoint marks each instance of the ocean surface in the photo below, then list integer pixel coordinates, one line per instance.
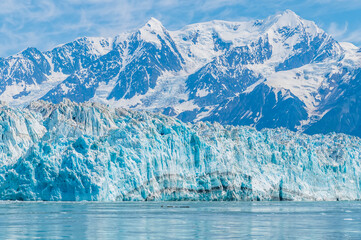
(180, 220)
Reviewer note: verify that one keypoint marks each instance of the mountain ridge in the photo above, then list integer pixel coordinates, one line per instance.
(282, 71)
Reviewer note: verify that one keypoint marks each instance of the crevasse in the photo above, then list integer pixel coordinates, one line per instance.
(88, 151)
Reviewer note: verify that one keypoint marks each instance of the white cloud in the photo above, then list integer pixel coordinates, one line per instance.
(342, 33)
(337, 31)
(45, 23)
(41, 23)
(353, 36)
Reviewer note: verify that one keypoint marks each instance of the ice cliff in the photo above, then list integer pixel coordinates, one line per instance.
(88, 151)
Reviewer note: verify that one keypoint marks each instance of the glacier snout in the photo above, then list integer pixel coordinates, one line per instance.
(88, 151)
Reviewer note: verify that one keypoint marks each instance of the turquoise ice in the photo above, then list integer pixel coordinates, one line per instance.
(88, 151)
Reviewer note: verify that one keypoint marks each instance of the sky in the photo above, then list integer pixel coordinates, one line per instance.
(46, 23)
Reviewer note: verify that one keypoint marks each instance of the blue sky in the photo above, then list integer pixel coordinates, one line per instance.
(47, 23)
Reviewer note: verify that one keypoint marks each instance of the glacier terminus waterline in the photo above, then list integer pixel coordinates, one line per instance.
(89, 151)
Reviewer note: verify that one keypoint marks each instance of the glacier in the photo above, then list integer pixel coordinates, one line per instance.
(89, 151)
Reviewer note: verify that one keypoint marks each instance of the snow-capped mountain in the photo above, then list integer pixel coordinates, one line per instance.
(282, 71)
(87, 151)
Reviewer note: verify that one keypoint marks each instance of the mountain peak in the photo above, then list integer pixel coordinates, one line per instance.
(153, 24)
(286, 18)
(153, 20)
(289, 19)
(152, 30)
(31, 51)
(289, 13)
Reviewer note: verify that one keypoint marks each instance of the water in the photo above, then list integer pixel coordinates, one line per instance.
(181, 220)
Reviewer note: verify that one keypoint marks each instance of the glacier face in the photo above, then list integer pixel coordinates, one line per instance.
(283, 71)
(88, 151)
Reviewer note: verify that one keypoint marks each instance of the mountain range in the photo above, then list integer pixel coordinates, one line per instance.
(282, 71)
